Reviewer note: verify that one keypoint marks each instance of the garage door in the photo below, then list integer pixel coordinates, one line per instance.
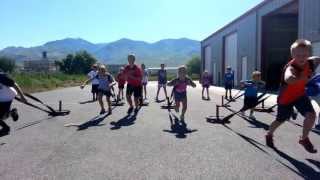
(231, 54)
(207, 58)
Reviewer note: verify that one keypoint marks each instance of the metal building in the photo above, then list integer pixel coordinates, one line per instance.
(260, 39)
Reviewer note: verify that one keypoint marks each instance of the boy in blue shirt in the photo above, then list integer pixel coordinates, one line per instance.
(251, 89)
(228, 82)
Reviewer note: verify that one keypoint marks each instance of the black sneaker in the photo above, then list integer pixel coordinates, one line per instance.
(136, 110)
(102, 111)
(269, 141)
(294, 115)
(14, 114)
(130, 110)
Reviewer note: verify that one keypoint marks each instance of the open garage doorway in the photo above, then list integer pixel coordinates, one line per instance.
(279, 31)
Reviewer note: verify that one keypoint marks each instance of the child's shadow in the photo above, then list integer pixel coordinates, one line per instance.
(179, 127)
(128, 120)
(304, 170)
(87, 102)
(93, 122)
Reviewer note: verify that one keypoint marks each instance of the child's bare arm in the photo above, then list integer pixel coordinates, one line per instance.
(291, 76)
(85, 83)
(191, 83)
(172, 82)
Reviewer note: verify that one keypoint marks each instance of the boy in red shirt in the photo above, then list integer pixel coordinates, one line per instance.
(133, 75)
(292, 93)
(121, 79)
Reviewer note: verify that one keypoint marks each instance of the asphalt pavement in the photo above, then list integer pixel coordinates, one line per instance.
(148, 145)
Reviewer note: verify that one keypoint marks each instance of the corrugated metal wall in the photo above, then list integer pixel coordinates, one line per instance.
(246, 30)
(249, 30)
(309, 19)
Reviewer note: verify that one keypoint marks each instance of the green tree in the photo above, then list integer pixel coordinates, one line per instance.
(7, 64)
(194, 65)
(79, 63)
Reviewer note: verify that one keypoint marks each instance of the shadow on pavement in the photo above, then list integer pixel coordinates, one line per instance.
(32, 123)
(87, 102)
(299, 125)
(316, 163)
(305, 170)
(257, 124)
(254, 123)
(179, 128)
(128, 120)
(92, 122)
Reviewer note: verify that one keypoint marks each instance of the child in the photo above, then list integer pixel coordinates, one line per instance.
(8, 91)
(121, 79)
(251, 91)
(133, 76)
(162, 81)
(95, 83)
(180, 90)
(144, 79)
(105, 83)
(228, 82)
(205, 81)
(292, 93)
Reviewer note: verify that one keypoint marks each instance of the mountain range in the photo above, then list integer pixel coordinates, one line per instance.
(169, 51)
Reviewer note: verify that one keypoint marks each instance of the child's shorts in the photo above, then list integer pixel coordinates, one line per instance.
(4, 109)
(105, 92)
(250, 102)
(180, 96)
(162, 85)
(121, 86)
(303, 105)
(94, 88)
(135, 90)
(205, 85)
(228, 86)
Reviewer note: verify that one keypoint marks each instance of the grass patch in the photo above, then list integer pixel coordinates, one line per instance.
(37, 82)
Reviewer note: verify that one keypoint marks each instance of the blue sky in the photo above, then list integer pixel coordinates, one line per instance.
(34, 22)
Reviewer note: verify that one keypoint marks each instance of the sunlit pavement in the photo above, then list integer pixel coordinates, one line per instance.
(147, 146)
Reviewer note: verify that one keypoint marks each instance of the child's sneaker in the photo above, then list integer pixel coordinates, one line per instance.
(307, 145)
(130, 110)
(294, 115)
(102, 111)
(136, 110)
(252, 117)
(14, 114)
(269, 141)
